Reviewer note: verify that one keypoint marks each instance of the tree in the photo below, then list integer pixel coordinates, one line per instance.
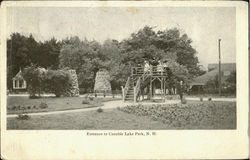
(19, 54)
(35, 77)
(40, 81)
(83, 56)
(48, 54)
(57, 82)
(231, 83)
(113, 63)
(176, 73)
(24, 51)
(169, 44)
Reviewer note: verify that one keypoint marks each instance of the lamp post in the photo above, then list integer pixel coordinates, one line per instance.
(219, 69)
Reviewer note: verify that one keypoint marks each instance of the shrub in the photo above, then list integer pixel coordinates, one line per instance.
(14, 107)
(33, 97)
(183, 101)
(34, 77)
(43, 105)
(34, 106)
(85, 102)
(192, 114)
(23, 117)
(57, 82)
(40, 80)
(91, 98)
(99, 110)
(86, 96)
(201, 99)
(23, 108)
(209, 99)
(28, 107)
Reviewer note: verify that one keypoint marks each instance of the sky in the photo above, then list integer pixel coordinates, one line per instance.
(204, 25)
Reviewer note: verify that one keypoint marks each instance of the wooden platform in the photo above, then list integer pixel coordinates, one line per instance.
(141, 78)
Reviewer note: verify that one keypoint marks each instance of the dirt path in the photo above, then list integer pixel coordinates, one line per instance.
(120, 103)
(213, 99)
(106, 105)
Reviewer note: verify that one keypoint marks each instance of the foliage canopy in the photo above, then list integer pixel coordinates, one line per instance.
(87, 57)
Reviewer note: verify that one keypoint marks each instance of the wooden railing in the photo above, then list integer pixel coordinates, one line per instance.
(137, 89)
(153, 71)
(125, 89)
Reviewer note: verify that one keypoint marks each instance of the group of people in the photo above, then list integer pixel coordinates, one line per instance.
(160, 67)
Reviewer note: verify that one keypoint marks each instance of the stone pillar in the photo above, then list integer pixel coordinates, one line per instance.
(74, 88)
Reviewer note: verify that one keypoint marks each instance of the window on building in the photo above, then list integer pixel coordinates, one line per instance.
(16, 84)
(21, 85)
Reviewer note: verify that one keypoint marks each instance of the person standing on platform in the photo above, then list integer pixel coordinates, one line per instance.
(160, 68)
(146, 67)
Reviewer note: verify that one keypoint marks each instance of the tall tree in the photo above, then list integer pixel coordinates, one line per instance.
(169, 44)
(19, 54)
(84, 57)
(113, 63)
(48, 54)
(23, 51)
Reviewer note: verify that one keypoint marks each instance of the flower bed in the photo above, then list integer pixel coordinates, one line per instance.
(191, 115)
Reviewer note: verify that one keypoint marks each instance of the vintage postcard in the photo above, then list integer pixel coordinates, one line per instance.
(124, 80)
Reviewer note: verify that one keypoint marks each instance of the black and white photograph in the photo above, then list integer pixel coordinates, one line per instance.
(111, 68)
(124, 80)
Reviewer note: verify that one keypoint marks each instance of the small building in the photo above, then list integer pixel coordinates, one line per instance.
(196, 86)
(19, 82)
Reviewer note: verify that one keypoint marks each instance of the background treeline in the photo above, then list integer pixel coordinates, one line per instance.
(87, 57)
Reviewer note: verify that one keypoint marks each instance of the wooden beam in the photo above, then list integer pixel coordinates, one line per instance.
(123, 96)
(164, 92)
(150, 89)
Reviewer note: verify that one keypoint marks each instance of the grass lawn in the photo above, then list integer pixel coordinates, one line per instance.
(54, 104)
(91, 120)
(211, 115)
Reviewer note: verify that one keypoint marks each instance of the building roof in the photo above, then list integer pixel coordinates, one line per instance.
(212, 72)
(224, 66)
(202, 80)
(18, 76)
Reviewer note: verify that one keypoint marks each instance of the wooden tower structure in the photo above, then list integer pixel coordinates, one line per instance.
(102, 82)
(139, 80)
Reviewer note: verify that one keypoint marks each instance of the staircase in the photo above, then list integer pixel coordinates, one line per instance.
(130, 92)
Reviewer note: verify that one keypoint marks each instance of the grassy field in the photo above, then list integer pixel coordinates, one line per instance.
(27, 105)
(91, 120)
(218, 115)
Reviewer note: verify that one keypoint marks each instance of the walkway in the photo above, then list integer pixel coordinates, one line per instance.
(106, 105)
(120, 103)
(213, 99)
